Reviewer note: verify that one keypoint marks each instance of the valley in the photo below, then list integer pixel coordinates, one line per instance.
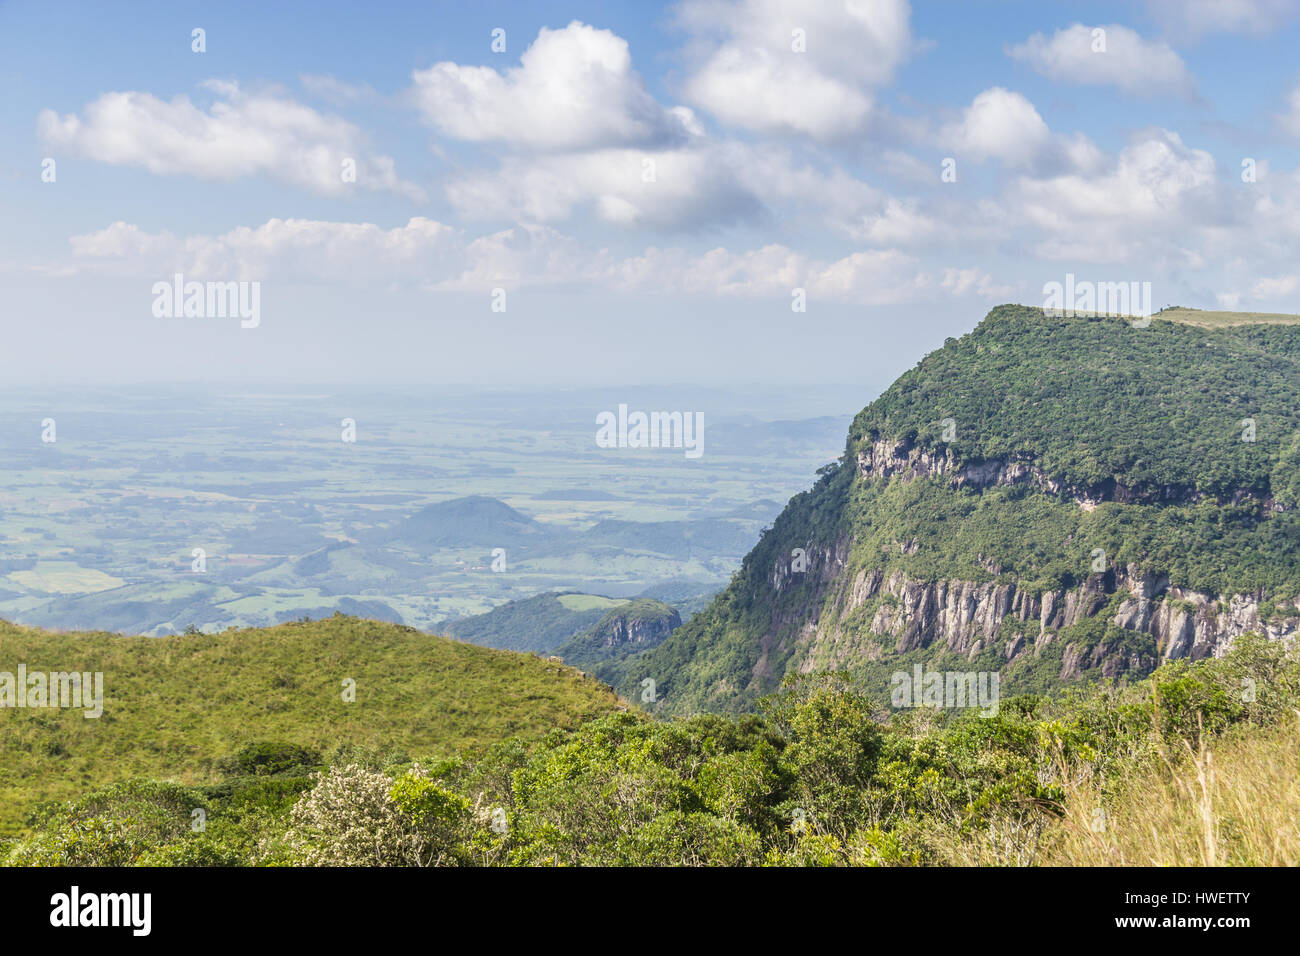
(206, 509)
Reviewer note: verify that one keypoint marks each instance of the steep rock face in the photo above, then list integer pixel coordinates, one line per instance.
(886, 458)
(966, 617)
(621, 634)
(621, 629)
(820, 566)
(840, 617)
(1005, 460)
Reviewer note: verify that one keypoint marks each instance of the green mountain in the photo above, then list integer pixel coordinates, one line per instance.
(596, 633)
(622, 633)
(1052, 498)
(177, 707)
(537, 624)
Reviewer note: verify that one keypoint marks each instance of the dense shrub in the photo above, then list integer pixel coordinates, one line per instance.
(266, 758)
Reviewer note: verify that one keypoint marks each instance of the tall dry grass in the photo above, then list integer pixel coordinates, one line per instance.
(1231, 801)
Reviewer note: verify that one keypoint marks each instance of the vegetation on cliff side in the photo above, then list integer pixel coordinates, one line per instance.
(1093, 404)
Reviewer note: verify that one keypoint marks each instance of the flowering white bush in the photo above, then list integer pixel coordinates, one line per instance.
(359, 817)
(348, 819)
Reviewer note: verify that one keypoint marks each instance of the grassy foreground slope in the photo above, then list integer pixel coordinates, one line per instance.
(174, 706)
(1193, 765)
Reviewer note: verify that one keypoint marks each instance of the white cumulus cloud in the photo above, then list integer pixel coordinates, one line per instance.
(1000, 124)
(240, 134)
(574, 89)
(1111, 55)
(1154, 194)
(804, 66)
(430, 255)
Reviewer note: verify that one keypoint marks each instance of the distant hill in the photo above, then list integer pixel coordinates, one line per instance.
(173, 705)
(597, 634)
(538, 624)
(135, 608)
(706, 538)
(688, 595)
(475, 521)
(584, 629)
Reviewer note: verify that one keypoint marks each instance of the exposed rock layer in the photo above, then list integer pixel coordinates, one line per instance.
(966, 617)
(886, 458)
(616, 630)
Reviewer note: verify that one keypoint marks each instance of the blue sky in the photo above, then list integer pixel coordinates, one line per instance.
(770, 169)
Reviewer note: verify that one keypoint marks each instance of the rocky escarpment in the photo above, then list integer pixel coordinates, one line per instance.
(1066, 441)
(624, 631)
(622, 628)
(968, 617)
(886, 458)
(840, 617)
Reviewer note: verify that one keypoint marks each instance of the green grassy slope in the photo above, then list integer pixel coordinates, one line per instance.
(1184, 768)
(173, 706)
(1218, 318)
